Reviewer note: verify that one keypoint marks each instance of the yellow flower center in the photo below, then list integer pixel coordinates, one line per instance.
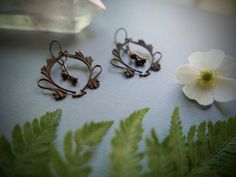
(207, 79)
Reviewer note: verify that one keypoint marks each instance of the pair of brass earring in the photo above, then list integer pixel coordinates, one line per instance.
(94, 71)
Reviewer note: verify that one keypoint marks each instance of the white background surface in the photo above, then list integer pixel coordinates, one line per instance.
(173, 29)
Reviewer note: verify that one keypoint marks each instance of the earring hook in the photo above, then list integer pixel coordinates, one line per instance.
(117, 31)
(54, 42)
(160, 55)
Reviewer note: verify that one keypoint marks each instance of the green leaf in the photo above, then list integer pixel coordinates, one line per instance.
(78, 150)
(158, 157)
(29, 156)
(177, 156)
(192, 155)
(208, 149)
(68, 146)
(168, 158)
(18, 140)
(221, 163)
(92, 133)
(58, 163)
(210, 141)
(177, 145)
(125, 156)
(6, 154)
(202, 145)
(28, 133)
(209, 138)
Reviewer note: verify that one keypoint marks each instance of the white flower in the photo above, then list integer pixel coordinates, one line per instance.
(204, 78)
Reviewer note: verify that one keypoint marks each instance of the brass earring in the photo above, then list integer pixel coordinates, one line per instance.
(128, 70)
(58, 91)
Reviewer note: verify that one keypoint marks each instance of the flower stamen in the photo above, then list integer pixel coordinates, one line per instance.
(207, 79)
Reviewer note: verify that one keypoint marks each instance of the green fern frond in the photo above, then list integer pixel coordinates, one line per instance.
(209, 149)
(158, 157)
(207, 139)
(68, 146)
(220, 164)
(92, 133)
(59, 166)
(78, 150)
(125, 156)
(202, 145)
(191, 150)
(170, 155)
(6, 155)
(29, 155)
(179, 156)
(176, 142)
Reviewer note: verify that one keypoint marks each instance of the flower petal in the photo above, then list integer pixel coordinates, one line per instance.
(187, 74)
(225, 90)
(209, 60)
(195, 92)
(227, 66)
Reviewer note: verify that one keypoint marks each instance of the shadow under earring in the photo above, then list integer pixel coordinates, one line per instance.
(58, 91)
(139, 61)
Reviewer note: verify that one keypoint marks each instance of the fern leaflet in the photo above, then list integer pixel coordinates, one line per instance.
(78, 150)
(125, 156)
(29, 155)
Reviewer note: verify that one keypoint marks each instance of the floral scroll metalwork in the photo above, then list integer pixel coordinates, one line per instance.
(60, 92)
(128, 70)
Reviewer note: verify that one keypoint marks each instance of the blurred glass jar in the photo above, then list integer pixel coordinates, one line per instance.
(66, 16)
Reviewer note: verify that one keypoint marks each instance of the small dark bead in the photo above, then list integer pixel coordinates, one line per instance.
(64, 76)
(140, 62)
(133, 56)
(74, 81)
(143, 60)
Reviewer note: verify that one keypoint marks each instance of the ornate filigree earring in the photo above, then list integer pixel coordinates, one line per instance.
(58, 91)
(139, 61)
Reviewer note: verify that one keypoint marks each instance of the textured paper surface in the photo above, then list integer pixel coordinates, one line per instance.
(173, 29)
